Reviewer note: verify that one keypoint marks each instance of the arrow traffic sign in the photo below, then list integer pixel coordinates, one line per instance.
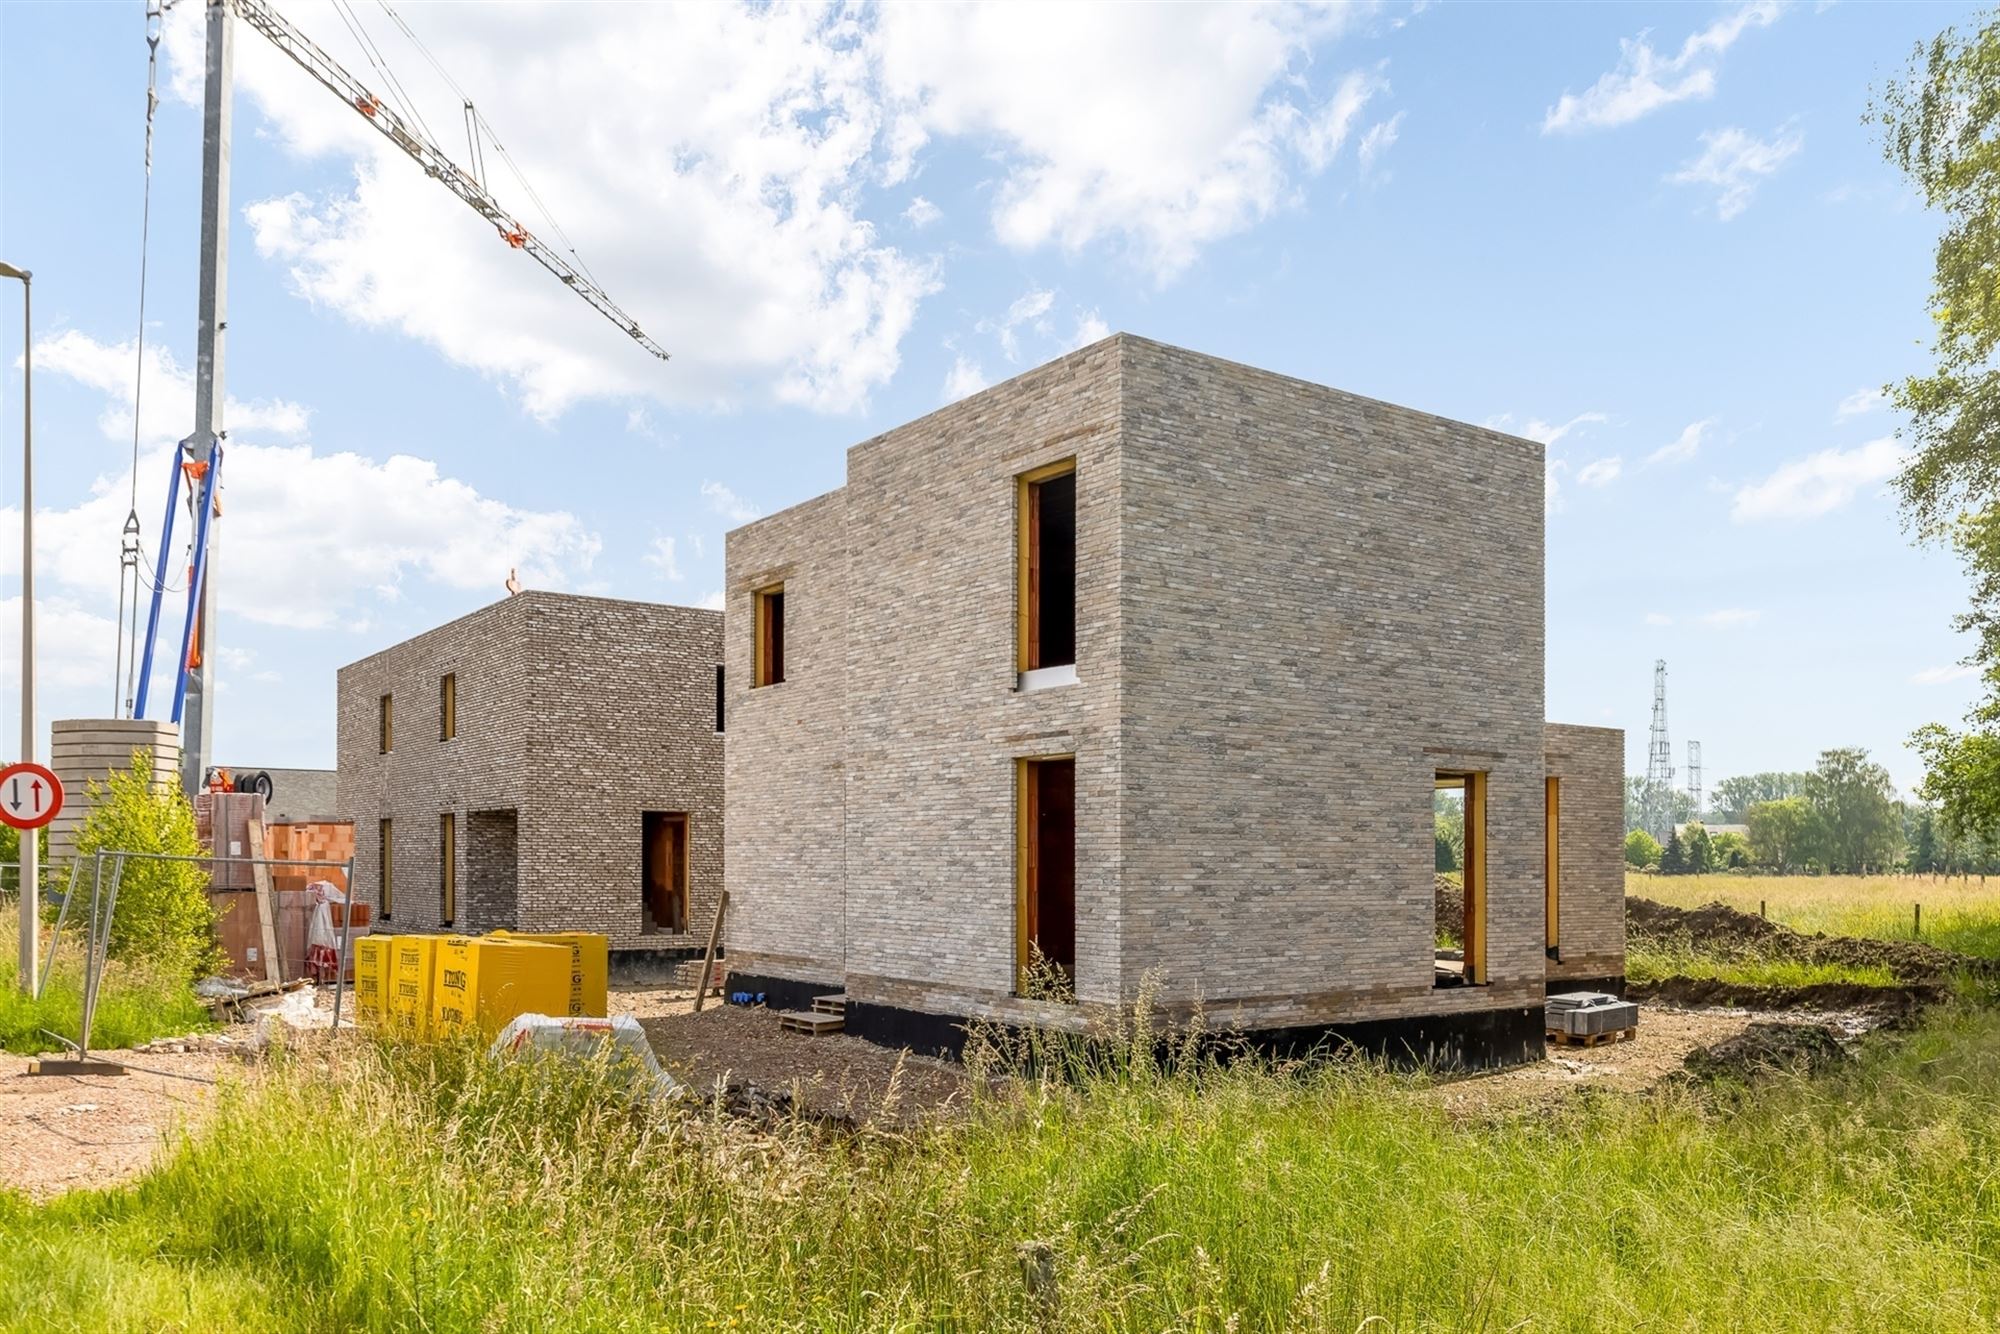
(30, 796)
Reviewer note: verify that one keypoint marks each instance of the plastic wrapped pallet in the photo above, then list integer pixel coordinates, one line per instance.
(484, 981)
(413, 961)
(371, 977)
(620, 1042)
(589, 966)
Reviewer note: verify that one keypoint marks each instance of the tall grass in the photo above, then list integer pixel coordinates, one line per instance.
(398, 1187)
(1959, 914)
(135, 1004)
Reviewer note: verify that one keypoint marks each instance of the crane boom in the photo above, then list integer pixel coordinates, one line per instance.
(308, 56)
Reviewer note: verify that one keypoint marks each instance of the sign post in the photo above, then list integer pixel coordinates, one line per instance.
(30, 797)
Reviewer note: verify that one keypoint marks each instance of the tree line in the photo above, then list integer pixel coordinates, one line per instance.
(1842, 816)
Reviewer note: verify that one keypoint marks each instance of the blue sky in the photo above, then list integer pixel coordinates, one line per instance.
(1659, 237)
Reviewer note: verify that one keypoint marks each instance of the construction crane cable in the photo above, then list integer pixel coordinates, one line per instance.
(373, 54)
(480, 121)
(126, 641)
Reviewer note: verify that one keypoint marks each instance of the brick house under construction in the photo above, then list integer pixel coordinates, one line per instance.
(1149, 665)
(548, 762)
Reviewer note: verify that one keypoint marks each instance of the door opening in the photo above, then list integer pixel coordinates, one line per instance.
(664, 874)
(1045, 930)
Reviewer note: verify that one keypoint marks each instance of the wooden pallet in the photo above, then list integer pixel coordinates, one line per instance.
(834, 1004)
(1562, 1039)
(810, 1021)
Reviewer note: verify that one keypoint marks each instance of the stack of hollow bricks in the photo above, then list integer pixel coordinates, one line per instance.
(574, 716)
(1295, 608)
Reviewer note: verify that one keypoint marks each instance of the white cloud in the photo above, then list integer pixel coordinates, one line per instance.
(1730, 618)
(713, 601)
(168, 400)
(1937, 676)
(1684, 446)
(1658, 618)
(1546, 433)
(1734, 163)
(922, 213)
(73, 645)
(1378, 140)
(372, 523)
(1858, 403)
(963, 379)
(1819, 483)
(1600, 472)
(1643, 81)
(662, 558)
(715, 165)
(728, 504)
(1031, 308)
(1158, 131)
(1090, 328)
(1552, 493)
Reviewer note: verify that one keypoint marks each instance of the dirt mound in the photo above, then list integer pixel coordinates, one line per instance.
(1886, 1006)
(1766, 1049)
(1720, 930)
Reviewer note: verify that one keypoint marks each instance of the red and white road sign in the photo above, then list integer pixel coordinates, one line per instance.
(30, 796)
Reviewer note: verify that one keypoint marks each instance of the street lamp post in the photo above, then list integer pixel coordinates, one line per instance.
(31, 885)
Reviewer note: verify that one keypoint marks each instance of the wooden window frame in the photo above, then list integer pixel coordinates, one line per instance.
(1027, 650)
(448, 706)
(1472, 866)
(386, 724)
(767, 668)
(447, 868)
(385, 852)
(1552, 866)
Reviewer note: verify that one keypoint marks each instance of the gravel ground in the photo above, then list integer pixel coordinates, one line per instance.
(60, 1132)
(832, 1075)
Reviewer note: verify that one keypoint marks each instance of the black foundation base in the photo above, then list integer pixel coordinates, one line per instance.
(1478, 1040)
(783, 993)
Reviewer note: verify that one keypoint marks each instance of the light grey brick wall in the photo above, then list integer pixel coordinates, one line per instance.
(1294, 607)
(578, 714)
(785, 753)
(1328, 599)
(1590, 834)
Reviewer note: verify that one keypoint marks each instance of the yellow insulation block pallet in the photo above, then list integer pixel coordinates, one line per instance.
(483, 982)
(372, 967)
(412, 966)
(589, 966)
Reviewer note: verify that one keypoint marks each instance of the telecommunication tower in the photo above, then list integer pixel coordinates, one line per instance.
(1694, 779)
(1659, 762)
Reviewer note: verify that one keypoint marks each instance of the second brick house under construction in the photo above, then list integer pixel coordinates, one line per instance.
(1148, 666)
(546, 763)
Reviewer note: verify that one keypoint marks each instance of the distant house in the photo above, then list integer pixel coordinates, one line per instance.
(548, 762)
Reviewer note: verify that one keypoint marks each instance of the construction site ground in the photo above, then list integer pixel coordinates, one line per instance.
(58, 1133)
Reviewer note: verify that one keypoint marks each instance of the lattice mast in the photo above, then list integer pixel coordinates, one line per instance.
(1694, 780)
(1660, 762)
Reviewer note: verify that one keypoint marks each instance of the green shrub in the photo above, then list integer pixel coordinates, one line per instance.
(136, 1003)
(163, 918)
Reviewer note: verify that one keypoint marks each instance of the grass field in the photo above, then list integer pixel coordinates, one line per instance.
(134, 1005)
(1958, 914)
(400, 1188)
(1646, 964)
